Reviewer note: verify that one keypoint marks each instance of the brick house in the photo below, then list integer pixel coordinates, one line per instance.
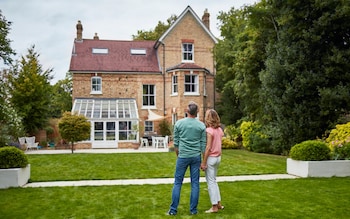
(125, 88)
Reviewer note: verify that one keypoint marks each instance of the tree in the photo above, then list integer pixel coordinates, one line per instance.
(73, 128)
(306, 84)
(285, 65)
(157, 32)
(61, 97)
(10, 122)
(5, 48)
(30, 91)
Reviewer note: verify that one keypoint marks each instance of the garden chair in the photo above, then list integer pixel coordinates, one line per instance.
(31, 144)
(22, 142)
(144, 142)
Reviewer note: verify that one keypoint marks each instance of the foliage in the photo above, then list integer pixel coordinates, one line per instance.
(341, 152)
(74, 127)
(310, 150)
(285, 65)
(253, 137)
(165, 128)
(232, 132)
(61, 97)
(157, 32)
(12, 157)
(30, 91)
(5, 48)
(229, 144)
(339, 135)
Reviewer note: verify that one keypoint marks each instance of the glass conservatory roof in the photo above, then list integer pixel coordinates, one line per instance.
(107, 108)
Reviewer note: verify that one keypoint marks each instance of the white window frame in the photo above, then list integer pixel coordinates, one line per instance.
(149, 97)
(96, 88)
(149, 126)
(174, 85)
(194, 83)
(187, 52)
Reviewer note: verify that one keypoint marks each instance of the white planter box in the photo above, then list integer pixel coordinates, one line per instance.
(327, 168)
(14, 177)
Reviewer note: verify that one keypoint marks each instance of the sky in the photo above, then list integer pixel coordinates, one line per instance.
(50, 25)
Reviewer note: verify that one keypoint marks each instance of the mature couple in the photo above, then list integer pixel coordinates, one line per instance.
(192, 139)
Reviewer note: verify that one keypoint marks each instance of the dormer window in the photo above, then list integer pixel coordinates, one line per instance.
(187, 52)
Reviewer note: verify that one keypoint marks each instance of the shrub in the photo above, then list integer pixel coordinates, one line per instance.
(341, 152)
(310, 150)
(254, 139)
(229, 144)
(339, 136)
(12, 157)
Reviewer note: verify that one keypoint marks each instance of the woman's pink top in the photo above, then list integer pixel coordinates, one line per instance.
(217, 135)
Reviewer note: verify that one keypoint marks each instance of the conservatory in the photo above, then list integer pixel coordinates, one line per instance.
(112, 120)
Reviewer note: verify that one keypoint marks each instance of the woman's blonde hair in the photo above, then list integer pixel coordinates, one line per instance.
(212, 118)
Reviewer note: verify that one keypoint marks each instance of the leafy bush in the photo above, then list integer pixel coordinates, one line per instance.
(229, 144)
(339, 136)
(341, 152)
(253, 137)
(12, 157)
(310, 150)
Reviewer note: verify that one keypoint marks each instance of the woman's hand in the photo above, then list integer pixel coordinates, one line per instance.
(204, 166)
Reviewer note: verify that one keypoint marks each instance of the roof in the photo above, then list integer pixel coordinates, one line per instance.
(187, 66)
(178, 20)
(114, 56)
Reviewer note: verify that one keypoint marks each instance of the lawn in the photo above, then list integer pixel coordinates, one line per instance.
(295, 198)
(58, 167)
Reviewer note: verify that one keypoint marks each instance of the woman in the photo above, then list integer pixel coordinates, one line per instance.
(212, 158)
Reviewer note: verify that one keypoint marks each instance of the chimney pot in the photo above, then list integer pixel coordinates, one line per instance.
(96, 37)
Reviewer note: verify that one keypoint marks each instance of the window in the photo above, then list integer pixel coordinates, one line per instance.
(191, 84)
(126, 130)
(96, 85)
(148, 126)
(148, 96)
(99, 51)
(187, 52)
(174, 86)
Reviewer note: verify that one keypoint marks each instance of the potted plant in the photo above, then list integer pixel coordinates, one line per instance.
(14, 167)
(312, 158)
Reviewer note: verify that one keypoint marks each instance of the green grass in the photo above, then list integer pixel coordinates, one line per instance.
(298, 198)
(293, 198)
(58, 167)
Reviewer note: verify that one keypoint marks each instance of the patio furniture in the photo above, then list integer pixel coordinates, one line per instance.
(31, 144)
(22, 142)
(158, 142)
(144, 142)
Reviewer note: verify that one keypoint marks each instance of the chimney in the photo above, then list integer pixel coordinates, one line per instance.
(96, 37)
(205, 19)
(79, 31)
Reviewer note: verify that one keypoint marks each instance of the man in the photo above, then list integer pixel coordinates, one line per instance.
(189, 144)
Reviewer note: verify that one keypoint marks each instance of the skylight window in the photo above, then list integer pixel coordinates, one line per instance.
(138, 51)
(99, 50)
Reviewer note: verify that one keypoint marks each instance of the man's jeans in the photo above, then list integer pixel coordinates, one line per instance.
(181, 167)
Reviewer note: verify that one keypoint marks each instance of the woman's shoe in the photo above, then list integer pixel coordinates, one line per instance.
(221, 207)
(210, 211)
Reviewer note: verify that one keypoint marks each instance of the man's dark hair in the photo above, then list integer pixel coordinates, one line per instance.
(192, 108)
